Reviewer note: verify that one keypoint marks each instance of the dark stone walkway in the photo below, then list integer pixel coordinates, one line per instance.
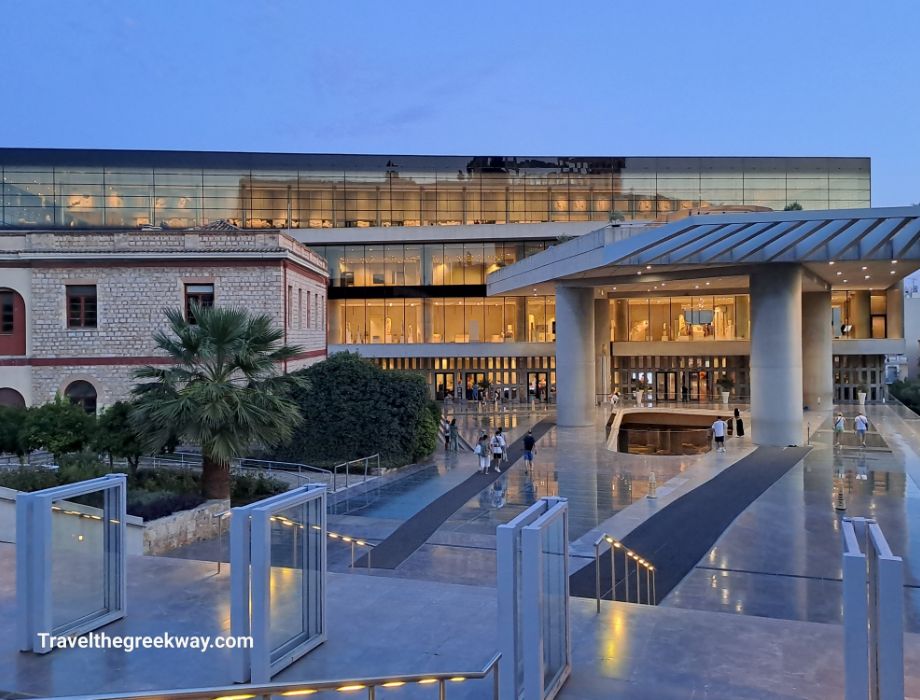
(678, 536)
(413, 533)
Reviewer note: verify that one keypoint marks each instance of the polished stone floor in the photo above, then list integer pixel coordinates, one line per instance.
(781, 557)
(384, 627)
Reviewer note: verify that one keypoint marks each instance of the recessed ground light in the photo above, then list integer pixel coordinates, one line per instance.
(894, 262)
(707, 284)
(864, 267)
(844, 281)
(867, 276)
(696, 287)
(831, 262)
(839, 272)
(892, 272)
(648, 267)
(639, 272)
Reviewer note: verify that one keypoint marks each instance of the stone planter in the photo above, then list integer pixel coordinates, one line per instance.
(639, 396)
(182, 528)
(862, 398)
(725, 395)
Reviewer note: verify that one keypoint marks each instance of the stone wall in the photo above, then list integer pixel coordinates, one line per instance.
(185, 527)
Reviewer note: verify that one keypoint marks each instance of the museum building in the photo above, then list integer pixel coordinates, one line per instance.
(409, 242)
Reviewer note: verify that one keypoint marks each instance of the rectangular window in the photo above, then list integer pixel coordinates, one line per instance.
(308, 310)
(7, 320)
(202, 294)
(81, 306)
(300, 306)
(290, 305)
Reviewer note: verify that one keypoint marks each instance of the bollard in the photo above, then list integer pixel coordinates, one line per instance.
(652, 486)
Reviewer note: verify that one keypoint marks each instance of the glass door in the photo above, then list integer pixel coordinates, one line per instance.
(699, 386)
(443, 385)
(471, 380)
(537, 386)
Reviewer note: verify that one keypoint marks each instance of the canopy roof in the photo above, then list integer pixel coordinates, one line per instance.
(884, 243)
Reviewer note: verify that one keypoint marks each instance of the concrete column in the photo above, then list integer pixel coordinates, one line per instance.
(859, 315)
(817, 350)
(776, 355)
(602, 344)
(622, 320)
(574, 356)
(895, 311)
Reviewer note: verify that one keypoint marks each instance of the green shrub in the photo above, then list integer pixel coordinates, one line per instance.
(58, 426)
(352, 408)
(246, 488)
(151, 505)
(29, 479)
(907, 391)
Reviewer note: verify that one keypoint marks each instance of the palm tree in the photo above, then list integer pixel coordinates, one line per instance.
(225, 390)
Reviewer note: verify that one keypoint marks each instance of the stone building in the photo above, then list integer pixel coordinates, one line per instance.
(78, 309)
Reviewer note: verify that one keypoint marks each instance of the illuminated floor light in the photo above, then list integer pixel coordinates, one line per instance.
(346, 688)
(296, 693)
(394, 684)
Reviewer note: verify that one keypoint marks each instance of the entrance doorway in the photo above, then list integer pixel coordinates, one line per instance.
(699, 385)
(444, 385)
(667, 388)
(470, 380)
(538, 386)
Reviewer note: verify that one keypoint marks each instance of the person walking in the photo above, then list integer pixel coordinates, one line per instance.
(739, 424)
(718, 432)
(684, 393)
(839, 426)
(529, 443)
(453, 434)
(482, 451)
(496, 448)
(861, 423)
(501, 435)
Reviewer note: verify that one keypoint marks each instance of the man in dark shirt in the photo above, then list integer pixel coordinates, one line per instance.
(529, 443)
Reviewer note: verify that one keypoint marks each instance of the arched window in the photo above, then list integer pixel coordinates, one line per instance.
(12, 323)
(12, 398)
(82, 394)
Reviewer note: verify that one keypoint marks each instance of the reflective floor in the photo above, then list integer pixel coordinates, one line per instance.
(782, 557)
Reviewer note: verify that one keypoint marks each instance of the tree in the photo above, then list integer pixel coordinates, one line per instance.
(353, 409)
(224, 390)
(795, 206)
(59, 426)
(117, 436)
(11, 433)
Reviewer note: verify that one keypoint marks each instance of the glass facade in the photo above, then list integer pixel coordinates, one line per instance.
(706, 317)
(118, 189)
(442, 320)
(422, 264)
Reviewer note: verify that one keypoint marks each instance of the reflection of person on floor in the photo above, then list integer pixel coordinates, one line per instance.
(454, 435)
(862, 468)
(739, 424)
(498, 494)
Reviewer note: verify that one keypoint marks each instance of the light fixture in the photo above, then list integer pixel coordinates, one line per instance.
(894, 262)
(831, 262)
(707, 284)
(864, 267)
(844, 281)
(839, 272)
(639, 272)
(867, 276)
(892, 272)
(648, 267)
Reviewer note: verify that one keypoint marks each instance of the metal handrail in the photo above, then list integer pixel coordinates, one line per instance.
(346, 465)
(347, 539)
(651, 597)
(267, 690)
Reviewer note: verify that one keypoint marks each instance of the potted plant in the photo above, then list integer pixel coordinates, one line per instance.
(861, 393)
(725, 384)
(641, 387)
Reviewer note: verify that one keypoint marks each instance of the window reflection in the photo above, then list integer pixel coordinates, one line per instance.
(500, 190)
